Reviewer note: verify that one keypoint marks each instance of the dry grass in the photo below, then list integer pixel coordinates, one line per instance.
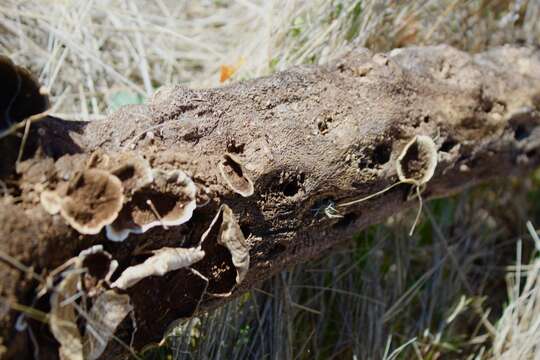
(440, 293)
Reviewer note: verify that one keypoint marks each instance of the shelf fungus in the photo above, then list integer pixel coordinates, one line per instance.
(227, 251)
(92, 199)
(168, 201)
(133, 170)
(73, 306)
(235, 176)
(415, 165)
(417, 162)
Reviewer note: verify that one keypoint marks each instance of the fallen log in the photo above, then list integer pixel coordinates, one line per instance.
(199, 195)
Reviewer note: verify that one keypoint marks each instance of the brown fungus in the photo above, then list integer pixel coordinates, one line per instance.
(415, 165)
(133, 170)
(93, 199)
(417, 162)
(65, 316)
(168, 201)
(235, 176)
(228, 234)
(89, 201)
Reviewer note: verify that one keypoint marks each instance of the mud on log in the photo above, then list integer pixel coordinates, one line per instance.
(239, 181)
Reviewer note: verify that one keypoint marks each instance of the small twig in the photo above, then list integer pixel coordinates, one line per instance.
(19, 125)
(154, 210)
(27, 123)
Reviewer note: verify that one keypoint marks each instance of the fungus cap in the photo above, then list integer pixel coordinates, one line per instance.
(93, 200)
(168, 201)
(133, 170)
(50, 201)
(417, 162)
(230, 236)
(234, 174)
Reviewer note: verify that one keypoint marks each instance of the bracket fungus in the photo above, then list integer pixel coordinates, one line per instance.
(417, 162)
(225, 231)
(161, 262)
(92, 199)
(415, 165)
(70, 301)
(234, 174)
(133, 170)
(168, 201)
(107, 312)
(63, 318)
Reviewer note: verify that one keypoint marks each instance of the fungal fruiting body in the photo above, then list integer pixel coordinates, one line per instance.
(234, 174)
(225, 231)
(415, 165)
(418, 160)
(168, 201)
(93, 198)
(106, 307)
(161, 262)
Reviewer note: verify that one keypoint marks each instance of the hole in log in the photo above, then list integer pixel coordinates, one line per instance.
(375, 157)
(448, 144)
(521, 132)
(381, 154)
(290, 188)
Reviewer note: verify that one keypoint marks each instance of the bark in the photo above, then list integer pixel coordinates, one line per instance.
(308, 138)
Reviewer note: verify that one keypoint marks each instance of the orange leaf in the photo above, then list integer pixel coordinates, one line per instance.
(226, 72)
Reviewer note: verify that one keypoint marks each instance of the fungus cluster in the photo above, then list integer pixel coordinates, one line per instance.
(82, 298)
(85, 295)
(123, 194)
(223, 231)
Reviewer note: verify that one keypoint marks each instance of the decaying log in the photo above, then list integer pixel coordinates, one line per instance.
(271, 160)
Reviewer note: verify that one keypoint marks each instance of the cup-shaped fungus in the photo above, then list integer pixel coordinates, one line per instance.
(415, 165)
(107, 308)
(133, 170)
(417, 162)
(235, 176)
(168, 201)
(92, 199)
(225, 231)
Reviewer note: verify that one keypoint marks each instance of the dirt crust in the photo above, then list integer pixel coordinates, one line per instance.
(278, 151)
